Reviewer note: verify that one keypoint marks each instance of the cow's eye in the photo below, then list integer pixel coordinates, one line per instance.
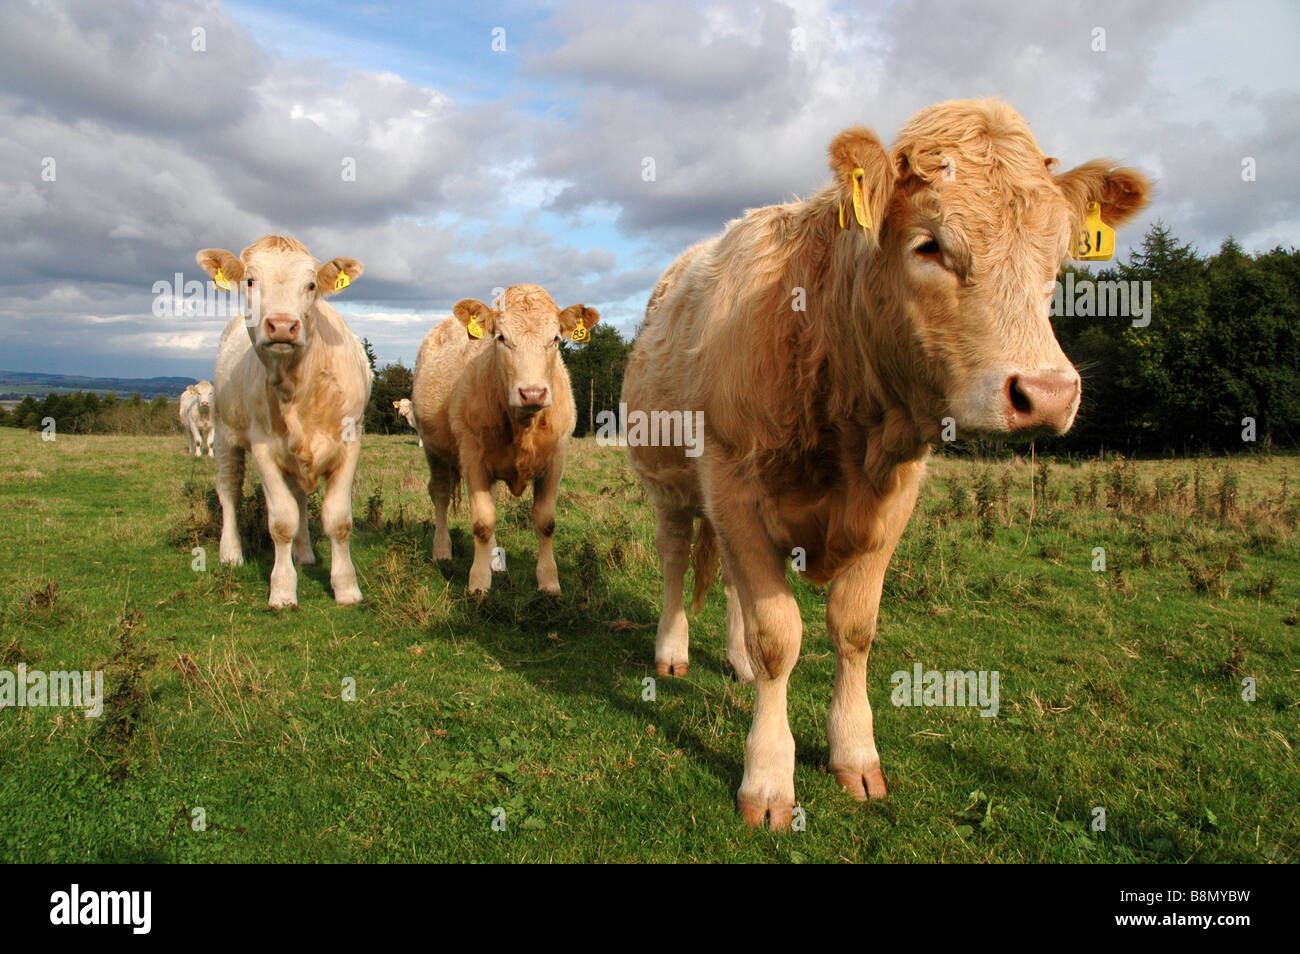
(556, 340)
(501, 338)
(930, 247)
(311, 286)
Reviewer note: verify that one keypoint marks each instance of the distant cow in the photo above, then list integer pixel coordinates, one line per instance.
(292, 384)
(493, 402)
(829, 343)
(407, 413)
(196, 416)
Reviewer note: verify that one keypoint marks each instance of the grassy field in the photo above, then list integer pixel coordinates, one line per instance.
(1120, 690)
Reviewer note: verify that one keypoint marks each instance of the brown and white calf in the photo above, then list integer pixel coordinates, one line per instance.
(493, 402)
(196, 416)
(292, 382)
(828, 348)
(406, 411)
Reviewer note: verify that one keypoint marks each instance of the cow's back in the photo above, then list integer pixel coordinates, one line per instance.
(439, 367)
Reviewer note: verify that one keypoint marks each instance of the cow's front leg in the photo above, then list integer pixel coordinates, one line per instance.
(282, 521)
(483, 520)
(196, 441)
(852, 609)
(773, 633)
(303, 555)
(336, 515)
(545, 490)
(211, 435)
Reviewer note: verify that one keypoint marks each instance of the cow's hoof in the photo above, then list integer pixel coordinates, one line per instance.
(551, 588)
(232, 559)
(862, 785)
(348, 596)
(441, 553)
(776, 810)
(306, 558)
(673, 668)
(282, 602)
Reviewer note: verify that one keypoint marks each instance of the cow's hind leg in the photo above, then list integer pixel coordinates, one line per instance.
(303, 554)
(442, 480)
(737, 654)
(851, 612)
(230, 491)
(545, 489)
(673, 541)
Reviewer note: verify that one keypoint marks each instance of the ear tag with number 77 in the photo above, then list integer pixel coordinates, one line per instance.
(1096, 243)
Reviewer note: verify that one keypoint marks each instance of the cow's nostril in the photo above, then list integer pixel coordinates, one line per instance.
(1019, 399)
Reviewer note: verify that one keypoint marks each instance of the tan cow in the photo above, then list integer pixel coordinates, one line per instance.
(828, 343)
(406, 412)
(196, 416)
(292, 384)
(493, 402)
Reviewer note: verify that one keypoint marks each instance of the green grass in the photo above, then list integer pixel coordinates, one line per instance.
(1119, 689)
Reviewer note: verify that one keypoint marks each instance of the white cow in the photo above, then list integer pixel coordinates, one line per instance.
(407, 413)
(292, 384)
(196, 416)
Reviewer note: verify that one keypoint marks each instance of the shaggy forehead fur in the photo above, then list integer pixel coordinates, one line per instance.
(528, 308)
(974, 169)
(274, 243)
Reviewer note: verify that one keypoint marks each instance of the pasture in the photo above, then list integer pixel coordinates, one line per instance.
(1120, 689)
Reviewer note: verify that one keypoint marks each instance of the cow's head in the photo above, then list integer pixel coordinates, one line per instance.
(203, 397)
(525, 333)
(403, 407)
(282, 282)
(970, 226)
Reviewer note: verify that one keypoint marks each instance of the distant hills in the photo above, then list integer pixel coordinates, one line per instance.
(16, 385)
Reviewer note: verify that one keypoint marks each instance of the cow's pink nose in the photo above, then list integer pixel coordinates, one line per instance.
(532, 397)
(1042, 400)
(281, 328)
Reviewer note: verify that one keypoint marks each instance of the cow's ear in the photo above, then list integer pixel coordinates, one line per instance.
(221, 266)
(864, 177)
(478, 318)
(1121, 192)
(574, 315)
(337, 274)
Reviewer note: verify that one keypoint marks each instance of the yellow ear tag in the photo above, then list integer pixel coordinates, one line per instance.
(221, 281)
(342, 281)
(474, 328)
(1096, 243)
(579, 333)
(859, 200)
(843, 224)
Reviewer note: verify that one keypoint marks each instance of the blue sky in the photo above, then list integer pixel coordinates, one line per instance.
(479, 168)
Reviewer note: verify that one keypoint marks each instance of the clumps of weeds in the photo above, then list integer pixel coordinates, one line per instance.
(200, 518)
(1264, 588)
(1226, 495)
(1235, 665)
(1210, 574)
(958, 499)
(43, 597)
(1146, 557)
(985, 501)
(1122, 487)
(1198, 491)
(11, 652)
(126, 707)
(375, 510)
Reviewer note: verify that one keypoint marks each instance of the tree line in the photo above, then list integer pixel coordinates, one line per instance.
(1211, 364)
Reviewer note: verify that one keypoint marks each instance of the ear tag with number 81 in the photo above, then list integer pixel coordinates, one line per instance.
(1096, 243)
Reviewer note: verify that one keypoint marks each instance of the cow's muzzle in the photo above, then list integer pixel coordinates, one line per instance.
(1040, 402)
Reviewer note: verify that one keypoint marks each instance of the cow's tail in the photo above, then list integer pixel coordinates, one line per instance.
(705, 560)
